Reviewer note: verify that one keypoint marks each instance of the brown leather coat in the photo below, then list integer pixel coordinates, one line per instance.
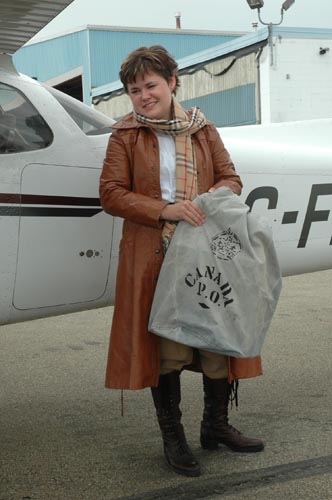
(130, 188)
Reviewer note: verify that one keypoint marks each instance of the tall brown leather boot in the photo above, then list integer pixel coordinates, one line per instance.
(166, 398)
(215, 428)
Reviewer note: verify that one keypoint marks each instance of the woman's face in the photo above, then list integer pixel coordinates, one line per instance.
(151, 96)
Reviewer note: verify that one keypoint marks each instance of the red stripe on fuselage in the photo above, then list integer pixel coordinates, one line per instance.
(35, 199)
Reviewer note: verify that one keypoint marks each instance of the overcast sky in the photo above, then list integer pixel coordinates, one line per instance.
(221, 15)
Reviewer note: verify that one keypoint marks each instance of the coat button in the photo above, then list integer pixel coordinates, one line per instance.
(157, 250)
(154, 168)
(156, 195)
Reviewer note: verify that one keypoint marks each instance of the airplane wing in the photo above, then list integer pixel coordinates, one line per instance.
(20, 20)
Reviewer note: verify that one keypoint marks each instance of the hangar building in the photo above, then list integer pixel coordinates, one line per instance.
(274, 74)
(82, 60)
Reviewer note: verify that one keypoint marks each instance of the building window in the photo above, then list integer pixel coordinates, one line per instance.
(22, 128)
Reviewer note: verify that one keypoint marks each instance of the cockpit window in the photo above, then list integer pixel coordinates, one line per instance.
(22, 128)
(90, 121)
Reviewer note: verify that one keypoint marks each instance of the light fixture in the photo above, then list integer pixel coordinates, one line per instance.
(255, 4)
(287, 4)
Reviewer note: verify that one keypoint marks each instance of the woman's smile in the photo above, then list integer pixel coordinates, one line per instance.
(151, 96)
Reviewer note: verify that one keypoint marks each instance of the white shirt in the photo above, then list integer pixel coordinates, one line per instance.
(167, 157)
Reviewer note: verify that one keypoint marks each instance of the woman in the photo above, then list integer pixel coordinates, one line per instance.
(158, 159)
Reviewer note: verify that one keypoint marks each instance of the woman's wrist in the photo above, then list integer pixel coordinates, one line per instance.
(164, 214)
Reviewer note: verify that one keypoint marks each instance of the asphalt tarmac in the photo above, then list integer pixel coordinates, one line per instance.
(62, 436)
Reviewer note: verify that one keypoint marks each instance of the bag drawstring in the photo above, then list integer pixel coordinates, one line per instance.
(122, 403)
(234, 393)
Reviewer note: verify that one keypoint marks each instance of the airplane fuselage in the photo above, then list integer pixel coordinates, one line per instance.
(59, 251)
(287, 175)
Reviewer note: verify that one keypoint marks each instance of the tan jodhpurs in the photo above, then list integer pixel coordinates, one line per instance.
(174, 356)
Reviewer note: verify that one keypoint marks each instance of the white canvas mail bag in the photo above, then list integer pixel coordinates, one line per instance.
(220, 282)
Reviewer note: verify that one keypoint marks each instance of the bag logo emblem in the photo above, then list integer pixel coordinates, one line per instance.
(210, 286)
(225, 245)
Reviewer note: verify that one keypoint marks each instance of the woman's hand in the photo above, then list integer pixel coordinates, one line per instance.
(184, 210)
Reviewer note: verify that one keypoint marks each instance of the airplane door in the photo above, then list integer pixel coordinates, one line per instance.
(64, 237)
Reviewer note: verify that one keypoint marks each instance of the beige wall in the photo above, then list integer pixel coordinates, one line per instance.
(198, 84)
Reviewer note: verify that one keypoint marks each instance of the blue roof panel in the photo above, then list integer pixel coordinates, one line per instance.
(51, 58)
(109, 48)
(54, 56)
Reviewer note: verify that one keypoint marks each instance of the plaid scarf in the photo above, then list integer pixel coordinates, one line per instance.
(181, 127)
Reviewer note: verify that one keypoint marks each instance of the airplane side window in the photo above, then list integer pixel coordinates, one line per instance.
(90, 121)
(22, 128)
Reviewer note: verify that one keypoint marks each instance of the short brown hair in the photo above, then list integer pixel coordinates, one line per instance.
(143, 60)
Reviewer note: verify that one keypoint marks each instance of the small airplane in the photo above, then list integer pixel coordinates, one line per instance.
(59, 250)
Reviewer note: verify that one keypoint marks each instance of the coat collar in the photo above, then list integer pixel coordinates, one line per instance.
(128, 121)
